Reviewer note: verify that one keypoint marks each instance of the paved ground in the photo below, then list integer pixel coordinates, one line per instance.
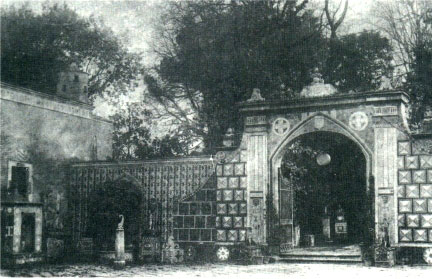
(276, 270)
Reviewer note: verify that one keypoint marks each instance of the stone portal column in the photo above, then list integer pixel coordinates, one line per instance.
(257, 176)
(385, 172)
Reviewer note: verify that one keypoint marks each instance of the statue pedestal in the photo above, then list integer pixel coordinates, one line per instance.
(326, 228)
(120, 249)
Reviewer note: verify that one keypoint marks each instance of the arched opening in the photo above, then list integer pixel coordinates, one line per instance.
(323, 191)
(105, 205)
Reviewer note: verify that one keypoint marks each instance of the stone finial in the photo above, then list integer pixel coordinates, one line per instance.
(120, 224)
(256, 96)
(317, 88)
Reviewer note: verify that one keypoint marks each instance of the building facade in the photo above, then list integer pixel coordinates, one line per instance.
(39, 134)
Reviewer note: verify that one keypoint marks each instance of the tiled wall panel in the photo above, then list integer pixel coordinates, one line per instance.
(414, 192)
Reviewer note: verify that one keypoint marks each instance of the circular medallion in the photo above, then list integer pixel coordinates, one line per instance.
(281, 126)
(358, 121)
(323, 159)
(222, 254)
(427, 255)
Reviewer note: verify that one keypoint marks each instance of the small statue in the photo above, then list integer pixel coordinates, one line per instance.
(256, 96)
(120, 225)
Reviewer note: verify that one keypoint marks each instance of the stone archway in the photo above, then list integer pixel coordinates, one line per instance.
(339, 186)
(324, 123)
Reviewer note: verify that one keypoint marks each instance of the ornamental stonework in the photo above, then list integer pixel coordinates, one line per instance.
(281, 126)
(358, 121)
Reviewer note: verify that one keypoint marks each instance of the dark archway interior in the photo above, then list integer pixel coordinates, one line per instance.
(106, 204)
(323, 190)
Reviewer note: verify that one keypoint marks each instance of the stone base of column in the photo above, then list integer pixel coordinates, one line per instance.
(119, 261)
(119, 264)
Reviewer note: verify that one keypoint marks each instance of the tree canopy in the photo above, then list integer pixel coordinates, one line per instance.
(408, 24)
(213, 53)
(132, 138)
(36, 47)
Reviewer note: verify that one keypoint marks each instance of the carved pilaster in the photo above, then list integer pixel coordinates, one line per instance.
(386, 179)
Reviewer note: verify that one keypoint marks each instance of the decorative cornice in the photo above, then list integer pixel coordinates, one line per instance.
(180, 160)
(383, 97)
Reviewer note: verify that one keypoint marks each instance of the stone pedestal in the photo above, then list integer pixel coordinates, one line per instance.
(120, 249)
(326, 228)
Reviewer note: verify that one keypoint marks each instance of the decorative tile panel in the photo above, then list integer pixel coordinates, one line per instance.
(242, 235)
(243, 182)
(405, 206)
(232, 235)
(419, 176)
(426, 191)
(227, 222)
(404, 148)
(233, 182)
(232, 208)
(420, 205)
(412, 191)
(228, 195)
(429, 176)
(238, 196)
(222, 182)
(426, 162)
(420, 235)
(401, 162)
(404, 177)
(228, 169)
(413, 220)
(411, 162)
(219, 170)
(221, 208)
(429, 201)
(426, 220)
(221, 235)
(239, 169)
(405, 235)
(401, 191)
(243, 208)
(430, 235)
(238, 222)
(219, 195)
(401, 220)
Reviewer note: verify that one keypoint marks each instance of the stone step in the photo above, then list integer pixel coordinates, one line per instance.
(320, 258)
(347, 256)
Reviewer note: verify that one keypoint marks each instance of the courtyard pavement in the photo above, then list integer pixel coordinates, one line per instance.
(275, 270)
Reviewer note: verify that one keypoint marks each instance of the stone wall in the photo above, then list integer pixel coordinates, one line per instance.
(414, 192)
(46, 132)
(185, 189)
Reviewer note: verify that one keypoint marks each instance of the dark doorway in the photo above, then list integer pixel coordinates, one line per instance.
(28, 235)
(105, 205)
(327, 173)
